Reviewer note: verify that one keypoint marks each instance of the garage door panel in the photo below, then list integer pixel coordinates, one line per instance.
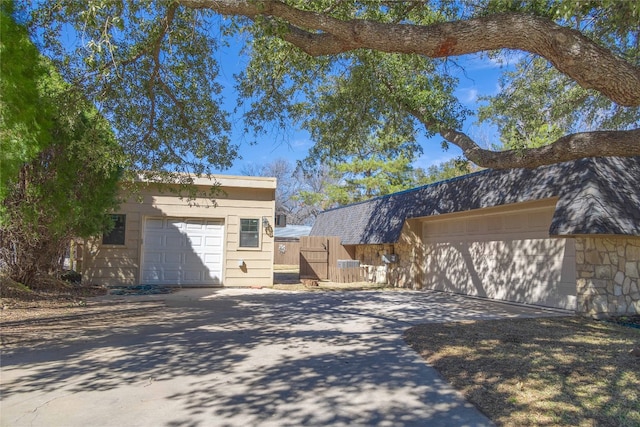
(539, 220)
(473, 226)
(172, 258)
(535, 283)
(191, 276)
(154, 257)
(153, 240)
(150, 276)
(193, 260)
(195, 241)
(171, 275)
(514, 221)
(212, 258)
(213, 242)
(175, 223)
(173, 240)
(182, 251)
(155, 224)
(494, 258)
(194, 225)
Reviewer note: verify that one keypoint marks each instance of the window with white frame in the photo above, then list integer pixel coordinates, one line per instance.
(249, 233)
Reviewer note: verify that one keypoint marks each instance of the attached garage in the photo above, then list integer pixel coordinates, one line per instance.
(502, 253)
(182, 251)
(565, 235)
(163, 239)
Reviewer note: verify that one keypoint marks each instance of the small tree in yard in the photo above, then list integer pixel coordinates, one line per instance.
(62, 159)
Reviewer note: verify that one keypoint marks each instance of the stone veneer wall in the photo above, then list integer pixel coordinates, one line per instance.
(372, 255)
(608, 275)
(400, 274)
(407, 271)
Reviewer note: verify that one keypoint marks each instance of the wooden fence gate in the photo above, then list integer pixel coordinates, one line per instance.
(314, 257)
(324, 258)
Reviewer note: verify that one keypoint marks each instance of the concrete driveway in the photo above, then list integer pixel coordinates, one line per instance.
(232, 357)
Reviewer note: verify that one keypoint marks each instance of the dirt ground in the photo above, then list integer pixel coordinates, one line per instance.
(53, 305)
(48, 296)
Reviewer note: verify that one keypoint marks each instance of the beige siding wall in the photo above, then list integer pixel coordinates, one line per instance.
(408, 272)
(370, 257)
(120, 265)
(257, 269)
(112, 265)
(608, 275)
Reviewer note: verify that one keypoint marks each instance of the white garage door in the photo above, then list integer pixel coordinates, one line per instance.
(181, 251)
(503, 255)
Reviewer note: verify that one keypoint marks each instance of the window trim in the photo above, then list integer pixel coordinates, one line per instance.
(257, 231)
(124, 232)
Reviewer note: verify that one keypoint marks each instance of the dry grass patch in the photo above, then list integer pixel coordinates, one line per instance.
(539, 372)
(19, 302)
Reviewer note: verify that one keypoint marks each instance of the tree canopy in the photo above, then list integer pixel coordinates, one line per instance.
(347, 71)
(61, 165)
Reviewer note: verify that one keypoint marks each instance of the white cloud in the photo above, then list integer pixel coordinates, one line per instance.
(301, 143)
(468, 95)
(435, 156)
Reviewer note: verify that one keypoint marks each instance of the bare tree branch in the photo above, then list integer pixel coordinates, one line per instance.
(622, 143)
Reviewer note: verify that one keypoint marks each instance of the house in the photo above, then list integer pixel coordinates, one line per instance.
(564, 236)
(162, 239)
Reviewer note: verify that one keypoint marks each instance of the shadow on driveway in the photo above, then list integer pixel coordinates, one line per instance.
(233, 357)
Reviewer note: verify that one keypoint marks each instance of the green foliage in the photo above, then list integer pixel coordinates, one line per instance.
(344, 99)
(365, 178)
(614, 22)
(538, 104)
(24, 116)
(372, 97)
(369, 169)
(525, 111)
(447, 170)
(356, 106)
(67, 186)
(159, 85)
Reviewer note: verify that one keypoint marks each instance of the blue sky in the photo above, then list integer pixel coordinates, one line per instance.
(480, 77)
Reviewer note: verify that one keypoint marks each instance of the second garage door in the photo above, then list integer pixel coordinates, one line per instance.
(182, 251)
(501, 254)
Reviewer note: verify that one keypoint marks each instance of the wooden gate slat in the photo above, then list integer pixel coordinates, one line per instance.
(314, 257)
